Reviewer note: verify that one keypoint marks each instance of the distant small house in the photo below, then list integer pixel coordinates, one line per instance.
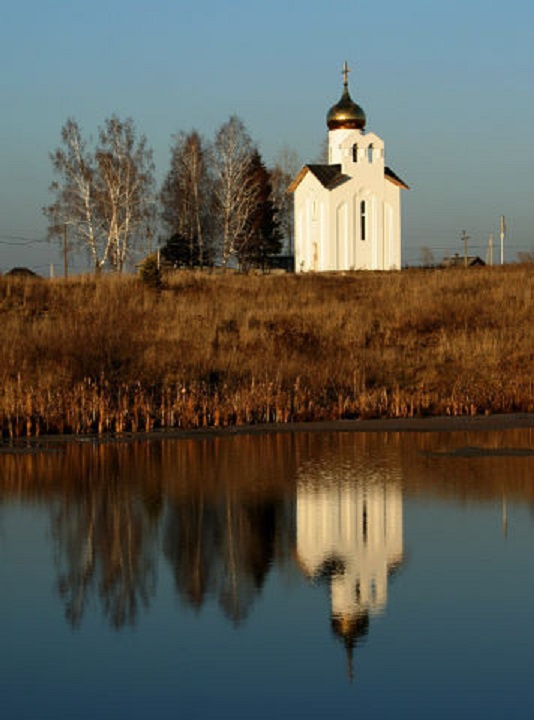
(21, 272)
(460, 261)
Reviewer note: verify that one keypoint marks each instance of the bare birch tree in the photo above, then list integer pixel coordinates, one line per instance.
(104, 197)
(236, 191)
(75, 205)
(185, 198)
(125, 186)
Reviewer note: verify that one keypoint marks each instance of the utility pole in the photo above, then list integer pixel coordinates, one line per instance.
(503, 233)
(65, 253)
(490, 249)
(465, 238)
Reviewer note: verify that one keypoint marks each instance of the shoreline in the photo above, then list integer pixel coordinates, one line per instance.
(475, 423)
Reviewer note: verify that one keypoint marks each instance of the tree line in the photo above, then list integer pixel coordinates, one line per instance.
(218, 204)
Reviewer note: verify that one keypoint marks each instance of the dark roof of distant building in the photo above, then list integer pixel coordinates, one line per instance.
(22, 272)
(460, 261)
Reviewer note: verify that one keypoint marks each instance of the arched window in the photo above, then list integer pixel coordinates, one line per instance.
(370, 153)
(363, 218)
(355, 152)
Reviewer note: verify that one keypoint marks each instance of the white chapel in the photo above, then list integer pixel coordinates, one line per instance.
(348, 212)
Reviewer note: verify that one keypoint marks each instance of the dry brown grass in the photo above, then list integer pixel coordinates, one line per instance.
(109, 354)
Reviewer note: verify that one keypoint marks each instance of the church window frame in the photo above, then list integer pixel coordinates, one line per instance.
(370, 151)
(363, 220)
(355, 153)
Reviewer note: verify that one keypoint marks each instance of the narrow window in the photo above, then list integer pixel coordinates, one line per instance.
(355, 153)
(362, 220)
(370, 153)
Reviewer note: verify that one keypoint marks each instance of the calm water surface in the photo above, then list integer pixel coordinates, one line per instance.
(366, 575)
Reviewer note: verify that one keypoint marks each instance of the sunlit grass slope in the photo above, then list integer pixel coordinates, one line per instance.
(111, 354)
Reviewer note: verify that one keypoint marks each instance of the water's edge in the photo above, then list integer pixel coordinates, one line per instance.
(404, 425)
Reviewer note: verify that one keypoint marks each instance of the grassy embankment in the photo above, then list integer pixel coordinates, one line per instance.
(88, 355)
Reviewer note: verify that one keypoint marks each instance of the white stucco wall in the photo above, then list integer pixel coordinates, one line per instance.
(311, 226)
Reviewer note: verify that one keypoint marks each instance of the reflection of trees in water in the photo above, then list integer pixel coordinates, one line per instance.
(225, 525)
(222, 546)
(231, 506)
(229, 517)
(105, 544)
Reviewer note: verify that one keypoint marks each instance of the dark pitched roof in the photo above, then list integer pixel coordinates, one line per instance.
(328, 175)
(394, 178)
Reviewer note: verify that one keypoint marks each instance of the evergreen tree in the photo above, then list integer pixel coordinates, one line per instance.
(263, 230)
(184, 252)
(186, 203)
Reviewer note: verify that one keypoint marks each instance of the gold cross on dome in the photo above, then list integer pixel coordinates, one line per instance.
(345, 72)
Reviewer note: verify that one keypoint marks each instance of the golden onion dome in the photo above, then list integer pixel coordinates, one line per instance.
(346, 113)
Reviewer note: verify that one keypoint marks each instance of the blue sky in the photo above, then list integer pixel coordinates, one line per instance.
(449, 87)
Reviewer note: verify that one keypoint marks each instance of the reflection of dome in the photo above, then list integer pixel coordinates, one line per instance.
(346, 113)
(349, 628)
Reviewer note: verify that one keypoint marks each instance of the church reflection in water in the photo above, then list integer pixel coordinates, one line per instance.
(349, 534)
(221, 514)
